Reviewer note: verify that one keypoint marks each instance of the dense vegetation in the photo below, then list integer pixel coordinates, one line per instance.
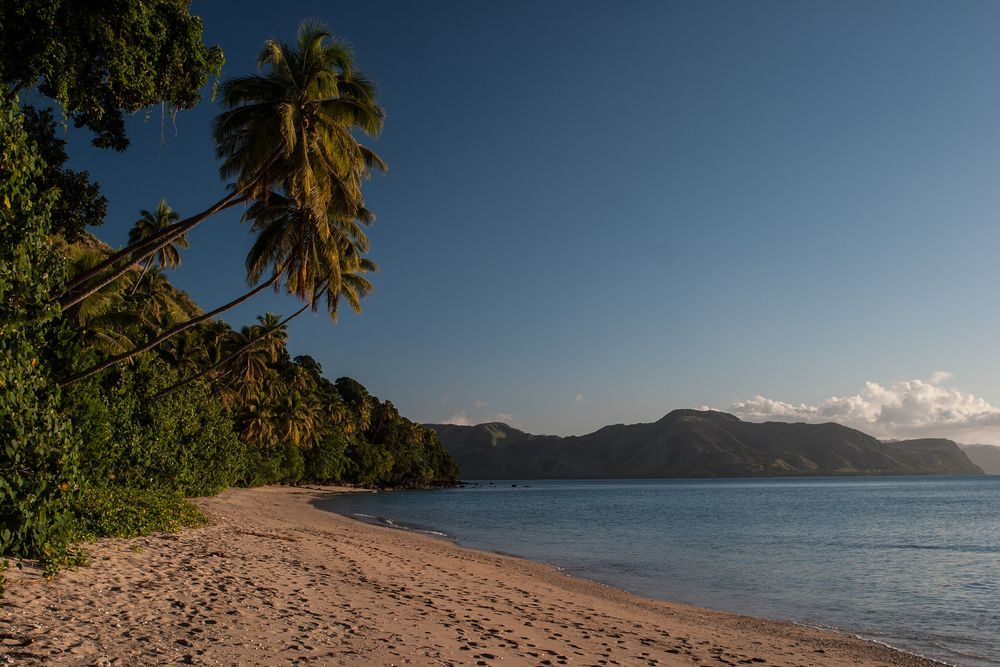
(119, 396)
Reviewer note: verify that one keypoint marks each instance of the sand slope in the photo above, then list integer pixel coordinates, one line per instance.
(276, 581)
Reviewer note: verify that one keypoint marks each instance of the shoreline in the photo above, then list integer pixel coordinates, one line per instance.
(274, 579)
(391, 524)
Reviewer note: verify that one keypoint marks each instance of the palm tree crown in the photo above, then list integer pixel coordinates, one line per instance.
(151, 223)
(292, 124)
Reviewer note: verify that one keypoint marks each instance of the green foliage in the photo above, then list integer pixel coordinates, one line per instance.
(296, 121)
(38, 455)
(121, 511)
(80, 203)
(328, 461)
(116, 451)
(101, 60)
(386, 448)
(283, 464)
(183, 441)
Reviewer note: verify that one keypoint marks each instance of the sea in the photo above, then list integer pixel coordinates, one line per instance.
(913, 562)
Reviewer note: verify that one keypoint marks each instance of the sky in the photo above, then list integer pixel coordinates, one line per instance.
(599, 212)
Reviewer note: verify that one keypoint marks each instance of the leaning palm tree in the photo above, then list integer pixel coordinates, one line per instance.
(290, 241)
(291, 246)
(353, 286)
(292, 126)
(150, 224)
(294, 122)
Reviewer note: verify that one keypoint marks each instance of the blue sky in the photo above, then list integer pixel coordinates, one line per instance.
(598, 212)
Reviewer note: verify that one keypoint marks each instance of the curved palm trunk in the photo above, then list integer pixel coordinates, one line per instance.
(140, 251)
(234, 355)
(170, 333)
(149, 263)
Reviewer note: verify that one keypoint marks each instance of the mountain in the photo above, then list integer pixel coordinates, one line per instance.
(694, 443)
(986, 457)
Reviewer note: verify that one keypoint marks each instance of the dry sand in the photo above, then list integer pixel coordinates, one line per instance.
(276, 581)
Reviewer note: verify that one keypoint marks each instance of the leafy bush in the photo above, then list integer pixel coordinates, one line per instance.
(283, 464)
(120, 511)
(38, 455)
(183, 440)
(327, 462)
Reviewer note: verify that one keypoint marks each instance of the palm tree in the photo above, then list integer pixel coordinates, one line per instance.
(253, 365)
(169, 329)
(187, 353)
(258, 422)
(294, 122)
(149, 225)
(155, 304)
(290, 245)
(291, 125)
(102, 322)
(353, 287)
(300, 419)
(292, 242)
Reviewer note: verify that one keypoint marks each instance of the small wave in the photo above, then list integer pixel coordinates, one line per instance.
(392, 523)
(958, 548)
(870, 638)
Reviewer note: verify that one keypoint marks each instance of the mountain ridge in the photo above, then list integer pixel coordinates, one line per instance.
(695, 443)
(986, 457)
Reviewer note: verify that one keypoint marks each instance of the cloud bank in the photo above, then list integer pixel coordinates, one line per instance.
(903, 409)
(460, 418)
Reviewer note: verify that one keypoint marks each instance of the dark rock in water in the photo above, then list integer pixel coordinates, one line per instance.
(695, 443)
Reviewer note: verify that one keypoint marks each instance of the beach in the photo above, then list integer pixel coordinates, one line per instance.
(273, 580)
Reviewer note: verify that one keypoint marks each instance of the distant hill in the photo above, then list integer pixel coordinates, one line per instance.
(694, 443)
(986, 457)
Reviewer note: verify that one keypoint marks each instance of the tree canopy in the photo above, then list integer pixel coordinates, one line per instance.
(102, 60)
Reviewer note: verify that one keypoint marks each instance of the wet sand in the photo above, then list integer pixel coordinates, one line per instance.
(276, 581)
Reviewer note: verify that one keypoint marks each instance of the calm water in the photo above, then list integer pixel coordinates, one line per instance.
(914, 562)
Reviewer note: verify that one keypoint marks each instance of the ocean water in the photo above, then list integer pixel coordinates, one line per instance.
(910, 561)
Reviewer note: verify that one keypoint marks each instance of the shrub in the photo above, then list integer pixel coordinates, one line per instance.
(38, 455)
(183, 441)
(119, 511)
(283, 464)
(327, 462)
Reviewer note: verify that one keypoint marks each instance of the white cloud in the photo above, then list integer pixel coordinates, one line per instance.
(480, 404)
(903, 409)
(579, 399)
(458, 419)
(937, 377)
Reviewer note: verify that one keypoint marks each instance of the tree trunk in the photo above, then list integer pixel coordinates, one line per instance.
(233, 198)
(237, 353)
(149, 263)
(139, 252)
(170, 333)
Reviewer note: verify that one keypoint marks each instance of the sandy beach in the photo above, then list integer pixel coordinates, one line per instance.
(275, 581)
